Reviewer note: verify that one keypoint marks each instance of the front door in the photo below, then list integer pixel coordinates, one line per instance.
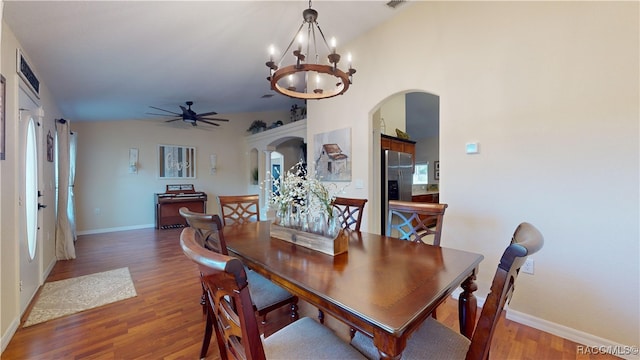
(30, 217)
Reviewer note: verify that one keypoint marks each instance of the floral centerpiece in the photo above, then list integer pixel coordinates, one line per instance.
(303, 202)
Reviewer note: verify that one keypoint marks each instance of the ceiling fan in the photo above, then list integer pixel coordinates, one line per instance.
(189, 116)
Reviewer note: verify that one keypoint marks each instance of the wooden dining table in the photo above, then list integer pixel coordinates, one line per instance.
(382, 286)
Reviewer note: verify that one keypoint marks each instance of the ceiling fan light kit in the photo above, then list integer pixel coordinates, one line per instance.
(306, 80)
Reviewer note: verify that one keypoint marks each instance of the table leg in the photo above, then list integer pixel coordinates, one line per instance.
(468, 306)
(389, 347)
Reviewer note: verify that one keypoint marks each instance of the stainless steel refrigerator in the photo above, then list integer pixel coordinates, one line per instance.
(397, 178)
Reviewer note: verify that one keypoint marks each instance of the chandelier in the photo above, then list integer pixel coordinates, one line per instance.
(308, 78)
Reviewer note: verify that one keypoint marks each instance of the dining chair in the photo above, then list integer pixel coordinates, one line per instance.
(349, 212)
(415, 221)
(239, 208)
(433, 340)
(266, 295)
(227, 287)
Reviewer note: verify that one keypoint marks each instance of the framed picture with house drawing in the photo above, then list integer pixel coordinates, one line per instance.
(333, 155)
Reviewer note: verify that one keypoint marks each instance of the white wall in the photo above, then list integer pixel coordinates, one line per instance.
(126, 200)
(393, 111)
(550, 91)
(291, 152)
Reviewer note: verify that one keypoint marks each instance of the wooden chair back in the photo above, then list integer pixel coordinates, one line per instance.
(526, 240)
(239, 208)
(226, 287)
(350, 212)
(414, 221)
(208, 230)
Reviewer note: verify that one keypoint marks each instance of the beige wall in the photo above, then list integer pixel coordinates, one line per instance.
(393, 111)
(108, 197)
(550, 91)
(12, 221)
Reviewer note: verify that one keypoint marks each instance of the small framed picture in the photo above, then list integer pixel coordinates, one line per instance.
(436, 170)
(49, 147)
(3, 84)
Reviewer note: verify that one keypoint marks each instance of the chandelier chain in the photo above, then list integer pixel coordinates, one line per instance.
(284, 53)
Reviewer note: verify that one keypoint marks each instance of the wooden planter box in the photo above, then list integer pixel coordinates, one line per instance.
(312, 241)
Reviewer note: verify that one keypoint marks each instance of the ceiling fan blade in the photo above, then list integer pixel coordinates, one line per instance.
(159, 114)
(212, 119)
(208, 113)
(209, 122)
(171, 112)
(173, 120)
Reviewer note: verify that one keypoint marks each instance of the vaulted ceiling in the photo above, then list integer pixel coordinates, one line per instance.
(111, 60)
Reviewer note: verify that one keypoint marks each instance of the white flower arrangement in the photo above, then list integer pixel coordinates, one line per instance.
(305, 196)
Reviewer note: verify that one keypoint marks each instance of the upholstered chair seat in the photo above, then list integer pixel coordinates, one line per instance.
(307, 339)
(432, 340)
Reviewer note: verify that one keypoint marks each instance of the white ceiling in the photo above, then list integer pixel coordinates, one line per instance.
(111, 60)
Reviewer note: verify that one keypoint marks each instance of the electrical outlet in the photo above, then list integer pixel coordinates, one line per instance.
(528, 266)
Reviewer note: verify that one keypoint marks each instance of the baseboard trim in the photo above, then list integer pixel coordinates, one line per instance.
(592, 344)
(48, 270)
(120, 228)
(8, 335)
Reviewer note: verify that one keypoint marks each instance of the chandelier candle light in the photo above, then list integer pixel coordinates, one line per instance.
(307, 78)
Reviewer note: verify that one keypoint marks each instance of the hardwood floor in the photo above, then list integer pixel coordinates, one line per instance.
(165, 321)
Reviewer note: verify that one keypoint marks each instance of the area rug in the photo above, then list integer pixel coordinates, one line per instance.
(69, 296)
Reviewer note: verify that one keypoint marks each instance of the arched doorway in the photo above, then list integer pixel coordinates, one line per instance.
(416, 113)
(288, 140)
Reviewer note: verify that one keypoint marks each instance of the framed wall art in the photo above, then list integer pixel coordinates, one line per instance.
(333, 155)
(176, 162)
(49, 147)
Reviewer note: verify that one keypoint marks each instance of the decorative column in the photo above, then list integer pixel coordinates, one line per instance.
(267, 181)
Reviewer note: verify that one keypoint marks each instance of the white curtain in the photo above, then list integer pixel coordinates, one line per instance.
(71, 208)
(65, 248)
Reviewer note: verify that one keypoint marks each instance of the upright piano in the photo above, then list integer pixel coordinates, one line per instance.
(169, 203)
